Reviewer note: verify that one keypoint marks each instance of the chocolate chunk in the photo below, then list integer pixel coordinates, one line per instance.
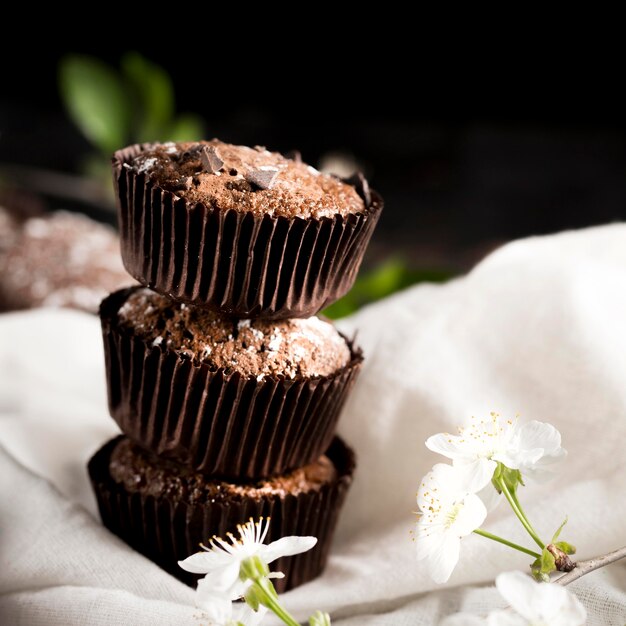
(262, 178)
(192, 153)
(359, 182)
(211, 159)
(182, 183)
(294, 155)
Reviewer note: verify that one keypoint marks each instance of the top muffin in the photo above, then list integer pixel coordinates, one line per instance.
(246, 180)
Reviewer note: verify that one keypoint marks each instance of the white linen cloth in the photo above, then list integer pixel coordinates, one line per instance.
(538, 328)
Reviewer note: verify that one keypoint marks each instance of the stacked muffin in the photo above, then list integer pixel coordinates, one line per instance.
(226, 388)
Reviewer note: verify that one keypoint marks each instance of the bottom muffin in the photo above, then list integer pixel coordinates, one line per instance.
(165, 511)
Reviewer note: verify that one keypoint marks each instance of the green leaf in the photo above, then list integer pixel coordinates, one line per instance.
(390, 276)
(548, 564)
(96, 101)
(543, 566)
(539, 576)
(535, 569)
(568, 548)
(558, 531)
(153, 94)
(186, 127)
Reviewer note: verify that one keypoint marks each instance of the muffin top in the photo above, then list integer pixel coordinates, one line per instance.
(58, 260)
(140, 472)
(290, 348)
(256, 180)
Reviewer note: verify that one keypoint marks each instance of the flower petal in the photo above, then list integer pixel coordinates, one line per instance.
(218, 606)
(490, 497)
(506, 618)
(427, 544)
(205, 561)
(476, 474)
(470, 516)
(244, 614)
(572, 614)
(540, 602)
(542, 435)
(537, 444)
(224, 580)
(443, 560)
(287, 546)
(456, 479)
(425, 492)
(556, 605)
(447, 445)
(518, 590)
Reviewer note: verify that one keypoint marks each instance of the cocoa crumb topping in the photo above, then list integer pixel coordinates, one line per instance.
(291, 348)
(140, 472)
(246, 179)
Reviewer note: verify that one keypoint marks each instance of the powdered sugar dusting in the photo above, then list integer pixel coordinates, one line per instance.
(146, 165)
(256, 348)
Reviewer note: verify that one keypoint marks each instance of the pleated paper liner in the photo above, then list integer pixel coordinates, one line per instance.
(242, 264)
(167, 531)
(218, 421)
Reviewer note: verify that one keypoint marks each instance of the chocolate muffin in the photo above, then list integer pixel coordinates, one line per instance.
(165, 511)
(230, 398)
(58, 260)
(243, 230)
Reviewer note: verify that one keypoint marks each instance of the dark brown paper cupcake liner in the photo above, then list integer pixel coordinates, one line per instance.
(242, 264)
(218, 421)
(168, 531)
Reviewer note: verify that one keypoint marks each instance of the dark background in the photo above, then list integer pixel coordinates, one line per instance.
(464, 161)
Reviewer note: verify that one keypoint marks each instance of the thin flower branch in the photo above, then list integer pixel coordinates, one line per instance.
(584, 567)
(506, 542)
(520, 514)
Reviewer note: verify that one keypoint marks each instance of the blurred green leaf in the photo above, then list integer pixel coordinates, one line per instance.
(97, 168)
(558, 531)
(186, 127)
(543, 566)
(391, 276)
(96, 101)
(153, 95)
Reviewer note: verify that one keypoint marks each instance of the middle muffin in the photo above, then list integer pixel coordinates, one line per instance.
(232, 398)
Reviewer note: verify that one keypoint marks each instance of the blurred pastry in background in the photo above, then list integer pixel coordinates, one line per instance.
(57, 260)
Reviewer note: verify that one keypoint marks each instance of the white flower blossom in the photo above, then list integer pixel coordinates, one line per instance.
(537, 603)
(531, 447)
(220, 610)
(221, 563)
(448, 511)
(532, 604)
